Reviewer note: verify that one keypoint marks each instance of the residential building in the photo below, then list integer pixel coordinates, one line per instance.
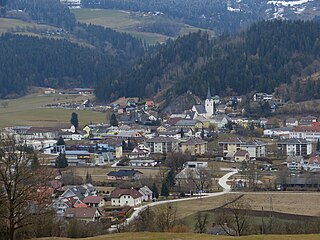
(146, 194)
(83, 214)
(295, 147)
(308, 120)
(163, 145)
(255, 148)
(194, 146)
(94, 201)
(126, 197)
(142, 163)
(292, 122)
(241, 155)
(309, 133)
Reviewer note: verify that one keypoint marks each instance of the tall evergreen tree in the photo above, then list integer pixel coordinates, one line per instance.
(61, 141)
(165, 189)
(155, 191)
(113, 120)
(318, 145)
(170, 179)
(61, 161)
(74, 120)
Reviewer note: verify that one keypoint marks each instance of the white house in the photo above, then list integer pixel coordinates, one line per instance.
(146, 193)
(126, 197)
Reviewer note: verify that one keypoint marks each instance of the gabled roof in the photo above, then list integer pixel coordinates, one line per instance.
(145, 191)
(80, 212)
(294, 141)
(186, 122)
(241, 153)
(124, 173)
(117, 193)
(92, 199)
(161, 139)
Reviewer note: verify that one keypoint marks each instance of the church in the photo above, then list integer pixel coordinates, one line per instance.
(206, 110)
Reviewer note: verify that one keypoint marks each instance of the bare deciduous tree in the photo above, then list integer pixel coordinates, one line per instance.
(201, 222)
(22, 189)
(235, 215)
(166, 217)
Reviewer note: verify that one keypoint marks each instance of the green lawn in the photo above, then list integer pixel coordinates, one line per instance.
(124, 22)
(28, 110)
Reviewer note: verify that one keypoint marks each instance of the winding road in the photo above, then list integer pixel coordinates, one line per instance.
(222, 182)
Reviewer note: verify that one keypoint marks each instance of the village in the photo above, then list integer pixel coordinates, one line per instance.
(103, 171)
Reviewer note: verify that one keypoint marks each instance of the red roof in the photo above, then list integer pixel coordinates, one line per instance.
(117, 193)
(92, 199)
(313, 128)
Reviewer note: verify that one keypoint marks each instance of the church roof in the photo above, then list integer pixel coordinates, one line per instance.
(209, 93)
(200, 109)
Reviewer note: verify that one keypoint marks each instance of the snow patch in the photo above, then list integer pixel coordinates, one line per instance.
(289, 3)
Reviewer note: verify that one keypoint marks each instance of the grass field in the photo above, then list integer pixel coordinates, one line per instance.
(190, 236)
(124, 22)
(27, 111)
(10, 23)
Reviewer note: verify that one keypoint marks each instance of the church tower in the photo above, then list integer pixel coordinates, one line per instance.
(209, 104)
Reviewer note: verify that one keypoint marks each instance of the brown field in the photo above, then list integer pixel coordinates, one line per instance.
(190, 236)
(301, 203)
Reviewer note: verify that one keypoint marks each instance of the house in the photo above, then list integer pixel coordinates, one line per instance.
(282, 132)
(220, 120)
(307, 121)
(94, 201)
(125, 175)
(262, 97)
(221, 108)
(163, 145)
(49, 91)
(189, 124)
(83, 214)
(142, 163)
(194, 146)
(291, 122)
(241, 155)
(309, 133)
(295, 147)
(41, 133)
(146, 193)
(218, 229)
(149, 104)
(138, 153)
(255, 148)
(126, 197)
(78, 157)
(312, 165)
(176, 133)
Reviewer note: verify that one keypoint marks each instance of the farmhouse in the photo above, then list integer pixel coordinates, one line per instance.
(126, 197)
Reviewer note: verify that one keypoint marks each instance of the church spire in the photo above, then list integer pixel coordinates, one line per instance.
(209, 93)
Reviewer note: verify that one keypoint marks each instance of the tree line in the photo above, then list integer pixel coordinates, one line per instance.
(268, 54)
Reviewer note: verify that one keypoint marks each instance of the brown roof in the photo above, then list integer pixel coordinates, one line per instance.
(80, 212)
(194, 141)
(241, 153)
(117, 193)
(313, 128)
(92, 199)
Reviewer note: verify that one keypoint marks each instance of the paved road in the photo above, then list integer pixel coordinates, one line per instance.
(222, 182)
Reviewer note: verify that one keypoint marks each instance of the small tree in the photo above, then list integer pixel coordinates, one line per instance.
(318, 145)
(88, 178)
(155, 192)
(201, 223)
(61, 141)
(164, 189)
(113, 120)
(61, 161)
(35, 164)
(74, 120)
(181, 133)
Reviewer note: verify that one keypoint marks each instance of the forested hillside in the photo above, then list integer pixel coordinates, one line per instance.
(269, 54)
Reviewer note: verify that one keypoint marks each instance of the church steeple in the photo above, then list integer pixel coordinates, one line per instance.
(209, 93)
